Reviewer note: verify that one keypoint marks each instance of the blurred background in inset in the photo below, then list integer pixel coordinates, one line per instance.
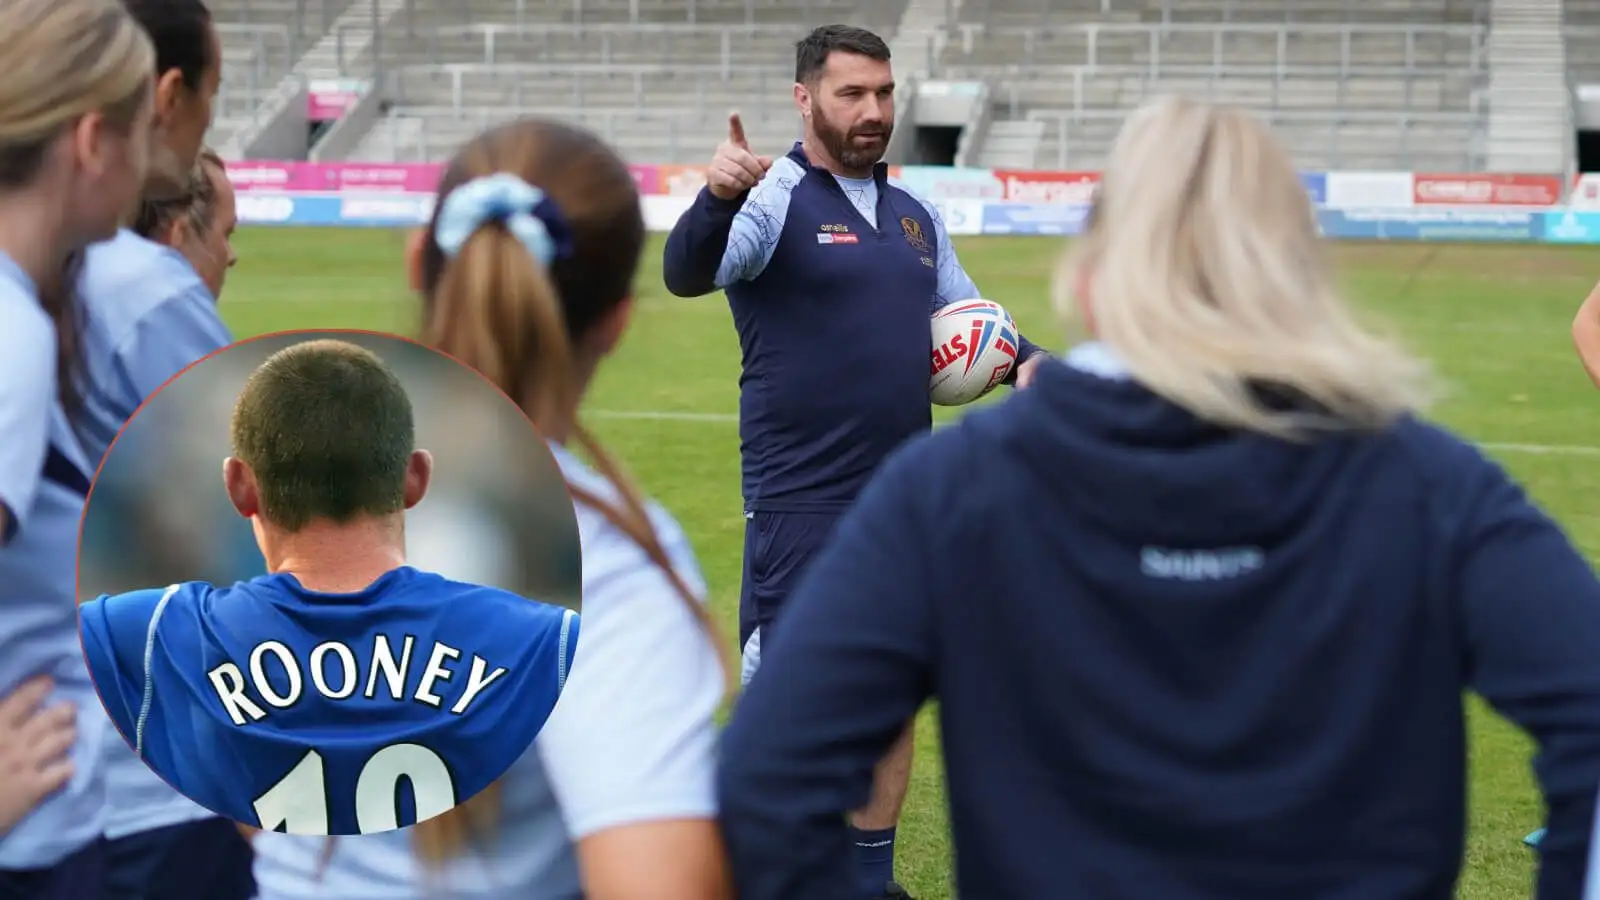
(497, 513)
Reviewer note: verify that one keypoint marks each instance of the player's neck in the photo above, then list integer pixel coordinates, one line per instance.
(336, 558)
(28, 245)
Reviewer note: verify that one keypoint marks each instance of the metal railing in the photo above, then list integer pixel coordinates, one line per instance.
(255, 58)
(605, 43)
(306, 21)
(1287, 40)
(1264, 89)
(683, 132)
(1058, 126)
(983, 12)
(762, 89)
(626, 12)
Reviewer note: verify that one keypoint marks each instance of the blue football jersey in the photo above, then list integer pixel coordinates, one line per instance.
(315, 713)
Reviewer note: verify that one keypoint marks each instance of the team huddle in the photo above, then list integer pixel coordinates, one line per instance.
(1255, 580)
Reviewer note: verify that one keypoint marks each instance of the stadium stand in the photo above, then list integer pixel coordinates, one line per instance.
(1582, 30)
(261, 40)
(657, 88)
(1351, 84)
(1375, 84)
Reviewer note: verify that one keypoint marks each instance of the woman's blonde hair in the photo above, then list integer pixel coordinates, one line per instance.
(63, 60)
(1203, 269)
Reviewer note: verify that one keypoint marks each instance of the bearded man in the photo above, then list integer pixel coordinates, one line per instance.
(832, 270)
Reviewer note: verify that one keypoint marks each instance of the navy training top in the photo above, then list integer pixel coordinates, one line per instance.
(832, 282)
(1208, 665)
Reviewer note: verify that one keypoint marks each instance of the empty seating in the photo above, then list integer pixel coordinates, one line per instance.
(1387, 83)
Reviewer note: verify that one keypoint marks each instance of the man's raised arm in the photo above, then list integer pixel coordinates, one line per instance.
(714, 245)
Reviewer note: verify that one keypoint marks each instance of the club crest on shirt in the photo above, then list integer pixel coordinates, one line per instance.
(914, 236)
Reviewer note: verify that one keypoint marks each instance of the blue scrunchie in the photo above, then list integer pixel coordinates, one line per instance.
(526, 211)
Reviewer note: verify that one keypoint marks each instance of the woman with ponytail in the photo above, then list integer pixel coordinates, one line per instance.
(526, 274)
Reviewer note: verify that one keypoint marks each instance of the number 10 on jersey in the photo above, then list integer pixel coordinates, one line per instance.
(299, 802)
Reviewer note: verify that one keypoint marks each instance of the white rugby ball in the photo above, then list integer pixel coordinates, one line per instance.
(975, 346)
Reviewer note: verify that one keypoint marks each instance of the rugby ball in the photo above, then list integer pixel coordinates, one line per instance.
(975, 347)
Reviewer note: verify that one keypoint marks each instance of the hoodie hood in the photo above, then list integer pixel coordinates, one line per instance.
(1139, 467)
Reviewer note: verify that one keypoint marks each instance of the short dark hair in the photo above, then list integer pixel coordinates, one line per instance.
(811, 52)
(181, 33)
(327, 429)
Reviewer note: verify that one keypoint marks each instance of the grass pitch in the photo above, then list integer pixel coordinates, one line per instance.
(1494, 320)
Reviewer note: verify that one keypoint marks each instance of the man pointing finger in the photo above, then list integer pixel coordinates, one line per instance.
(832, 270)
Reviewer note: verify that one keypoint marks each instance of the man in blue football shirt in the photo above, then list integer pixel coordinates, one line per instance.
(345, 692)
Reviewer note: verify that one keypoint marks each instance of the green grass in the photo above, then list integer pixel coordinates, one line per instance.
(1494, 320)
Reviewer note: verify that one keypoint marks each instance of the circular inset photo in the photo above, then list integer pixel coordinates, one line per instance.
(329, 583)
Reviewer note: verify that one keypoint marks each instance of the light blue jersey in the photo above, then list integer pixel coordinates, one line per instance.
(149, 317)
(43, 480)
(633, 739)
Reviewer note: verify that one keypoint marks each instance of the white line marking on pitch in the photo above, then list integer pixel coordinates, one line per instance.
(660, 416)
(1544, 449)
(645, 415)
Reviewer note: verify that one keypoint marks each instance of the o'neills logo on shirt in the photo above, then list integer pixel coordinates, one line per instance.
(836, 234)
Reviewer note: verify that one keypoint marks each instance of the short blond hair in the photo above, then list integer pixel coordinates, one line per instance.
(1208, 278)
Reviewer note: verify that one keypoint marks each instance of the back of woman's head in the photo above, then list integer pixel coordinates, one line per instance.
(528, 262)
(188, 70)
(517, 318)
(1203, 269)
(65, 60)
(159, 216)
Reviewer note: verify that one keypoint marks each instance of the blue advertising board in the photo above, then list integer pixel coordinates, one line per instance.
(1431, 225)
(1030, 218)
(378, 209)
(1568, 227)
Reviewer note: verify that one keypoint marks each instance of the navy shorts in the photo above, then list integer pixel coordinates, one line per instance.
(80, 876)
(777, 548)
(207, 859)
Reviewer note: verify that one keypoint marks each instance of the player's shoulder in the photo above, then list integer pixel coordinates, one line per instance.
(126, 277)
(27, 328)
(129, 614)
(490, 601)
(896, 184)
(180, 592)
(129, 259)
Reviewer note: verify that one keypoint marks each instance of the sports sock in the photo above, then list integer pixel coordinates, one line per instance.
(874, 859)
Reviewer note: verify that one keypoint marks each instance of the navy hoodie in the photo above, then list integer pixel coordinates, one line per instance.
(1206, 666)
